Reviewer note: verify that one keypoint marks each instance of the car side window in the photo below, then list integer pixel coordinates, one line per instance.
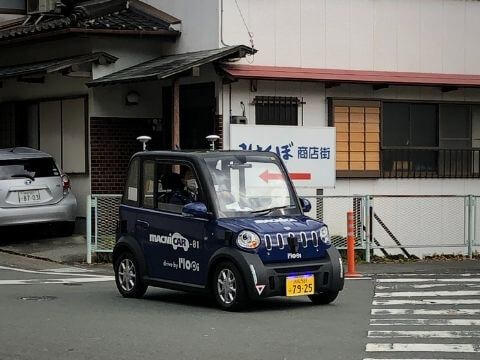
(130, 196)
(148, 178)
(177, 185)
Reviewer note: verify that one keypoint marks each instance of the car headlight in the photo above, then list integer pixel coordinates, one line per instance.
(248, 240)
(324, 235)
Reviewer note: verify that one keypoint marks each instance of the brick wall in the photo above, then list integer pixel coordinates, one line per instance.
(113, 142)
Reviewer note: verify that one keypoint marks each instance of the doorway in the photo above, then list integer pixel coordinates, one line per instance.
(197, 114)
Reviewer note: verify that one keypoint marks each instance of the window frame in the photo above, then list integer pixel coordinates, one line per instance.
(125, 200)
(171, 162)
(348, 101)
(277, 100)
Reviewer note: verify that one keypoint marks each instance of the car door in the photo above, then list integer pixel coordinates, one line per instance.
(173, 244)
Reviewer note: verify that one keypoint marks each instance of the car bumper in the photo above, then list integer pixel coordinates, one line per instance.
(64, 210)
(270, 280)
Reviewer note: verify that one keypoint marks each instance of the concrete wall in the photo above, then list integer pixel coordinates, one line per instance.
(397, 35)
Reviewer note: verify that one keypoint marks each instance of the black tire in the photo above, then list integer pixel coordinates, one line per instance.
(323, 298)
(129, 287)
(230, 302)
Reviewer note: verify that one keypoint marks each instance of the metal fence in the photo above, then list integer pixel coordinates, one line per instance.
(102, 216)
(383, 223)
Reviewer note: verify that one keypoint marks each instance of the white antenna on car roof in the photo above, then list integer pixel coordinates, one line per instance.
(212, 139)
(144, 139)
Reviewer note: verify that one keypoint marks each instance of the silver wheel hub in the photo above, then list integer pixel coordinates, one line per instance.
(226, 286)
(127, 274)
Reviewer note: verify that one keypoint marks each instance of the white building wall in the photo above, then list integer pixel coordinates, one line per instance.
(396, 35)
(200, 23)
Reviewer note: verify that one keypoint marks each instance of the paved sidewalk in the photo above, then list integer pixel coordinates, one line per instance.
(422, 266)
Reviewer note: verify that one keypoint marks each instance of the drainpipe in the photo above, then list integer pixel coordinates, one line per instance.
(221, 25)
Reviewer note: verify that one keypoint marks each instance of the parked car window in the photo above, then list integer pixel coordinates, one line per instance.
(130, 197)
(177, 186)
(36, 168)
(148, 171)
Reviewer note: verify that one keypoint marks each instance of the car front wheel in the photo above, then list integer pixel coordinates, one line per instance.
(127, 277)
(228, 287)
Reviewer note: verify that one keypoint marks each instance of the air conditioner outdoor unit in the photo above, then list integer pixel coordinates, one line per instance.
(40, 6)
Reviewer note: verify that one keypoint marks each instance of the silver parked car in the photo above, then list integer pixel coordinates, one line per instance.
(34, 190)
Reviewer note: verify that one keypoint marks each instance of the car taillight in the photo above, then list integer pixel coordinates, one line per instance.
(66, 183)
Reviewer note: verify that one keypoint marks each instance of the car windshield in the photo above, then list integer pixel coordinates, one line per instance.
(250, 185)
(29, 168)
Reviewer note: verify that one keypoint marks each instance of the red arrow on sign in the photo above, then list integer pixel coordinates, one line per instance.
(266, 176)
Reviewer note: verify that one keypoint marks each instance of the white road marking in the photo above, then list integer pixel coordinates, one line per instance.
(426, 302)
(68, 270)
(425, 274)
(426, 286)
(423, 334)
(433, 322)
(453, 348)
(425, 312)
(417, 280)
(409, 359)
(44, 272)
(57, 281)
(359, 278)
(427, 293)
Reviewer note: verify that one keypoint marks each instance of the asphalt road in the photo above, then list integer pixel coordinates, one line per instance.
(90, 320)
(421, 311)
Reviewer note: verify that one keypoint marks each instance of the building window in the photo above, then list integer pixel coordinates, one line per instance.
(358, 138)
(428, 140)
(276, 110)
(394, 139)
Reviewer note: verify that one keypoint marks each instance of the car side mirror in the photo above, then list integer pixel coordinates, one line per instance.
(195, 209)
(306, 205)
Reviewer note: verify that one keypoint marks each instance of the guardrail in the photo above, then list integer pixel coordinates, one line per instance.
(382, 223)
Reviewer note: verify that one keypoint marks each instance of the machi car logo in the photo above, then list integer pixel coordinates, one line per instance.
(175, 239)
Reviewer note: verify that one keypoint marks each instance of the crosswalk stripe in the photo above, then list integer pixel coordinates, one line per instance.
(414, 347)
(57, 281)
(402, 275)
(426, 286)
(417, 280)
(422, 334)
(425, 312)
(427, 293)
(426, 302)
(410, 359)
(416, 322)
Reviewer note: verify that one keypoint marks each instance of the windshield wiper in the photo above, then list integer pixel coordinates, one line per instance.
(23, 175)
(269, 210)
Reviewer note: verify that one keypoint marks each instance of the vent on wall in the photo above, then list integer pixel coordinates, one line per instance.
(40, 6)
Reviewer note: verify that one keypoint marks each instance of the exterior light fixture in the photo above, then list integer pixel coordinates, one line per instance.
(132, 98)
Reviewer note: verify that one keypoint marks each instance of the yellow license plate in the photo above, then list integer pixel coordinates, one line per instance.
(300, 285)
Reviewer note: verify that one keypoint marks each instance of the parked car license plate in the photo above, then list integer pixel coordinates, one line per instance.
(300, 285)
(27, 197)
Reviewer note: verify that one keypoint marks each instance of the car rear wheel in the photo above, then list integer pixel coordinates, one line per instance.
(127, 277)
(228, 287)
(323, 298)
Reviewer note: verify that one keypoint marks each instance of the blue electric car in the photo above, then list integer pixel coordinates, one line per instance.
(228, 223)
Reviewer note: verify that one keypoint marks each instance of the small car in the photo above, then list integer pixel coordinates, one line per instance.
(33, 190)
(227, 223)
